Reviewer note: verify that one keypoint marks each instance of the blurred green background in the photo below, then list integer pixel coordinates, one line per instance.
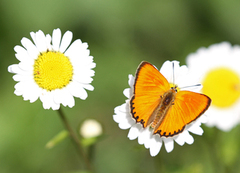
(120, 34)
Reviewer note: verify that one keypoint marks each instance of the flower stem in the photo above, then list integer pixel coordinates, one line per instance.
(75, 139)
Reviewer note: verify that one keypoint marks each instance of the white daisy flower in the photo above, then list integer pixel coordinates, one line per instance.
(53, 70)
(145, 136)
(218, 68)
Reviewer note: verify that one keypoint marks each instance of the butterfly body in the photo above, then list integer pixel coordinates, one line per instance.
(167, 100)
(158, 105)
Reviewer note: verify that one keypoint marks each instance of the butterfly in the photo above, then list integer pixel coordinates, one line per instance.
(163, 106)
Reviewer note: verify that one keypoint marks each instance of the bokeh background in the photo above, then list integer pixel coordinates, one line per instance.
(120, 34)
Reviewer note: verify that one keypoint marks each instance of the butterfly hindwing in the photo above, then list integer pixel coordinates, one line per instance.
(149, 85)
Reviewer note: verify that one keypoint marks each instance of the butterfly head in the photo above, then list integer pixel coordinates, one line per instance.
(174, 87)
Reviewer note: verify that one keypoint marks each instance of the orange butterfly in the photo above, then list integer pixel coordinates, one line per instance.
(162, 106)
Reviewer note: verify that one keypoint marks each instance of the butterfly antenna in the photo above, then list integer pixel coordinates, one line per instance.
(197, 85)
(173, 72)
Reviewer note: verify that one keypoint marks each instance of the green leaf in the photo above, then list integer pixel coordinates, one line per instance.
(57, 139)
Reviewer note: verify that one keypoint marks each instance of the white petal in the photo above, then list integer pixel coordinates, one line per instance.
(126, 92)
(180, 139)
(170, 67)
(167, 71)
(84, 94)
(203, 118)
(16, 69)
(225, 127)
(195, 129)
(41, 41)
(82, 78)
(144, 136)
(74, 48)
(134, 131)
(66, 40)
(64, 97)
(22, 77)
(131, 80)
(119, 114)
(56, 38)
(30, 47)
(168, 142)
(48, 42)
(26, 65)
(123, 118)
(92, 65)
(82, 70)
(18, 93)
(184, 137)
(189, 139)
(28, 89)
(148, 137)
(31, 93)
(13, 68)
(77, 90)
(180, 72)
(126, 124)
(33, 35)
(125, 108)
(156, 145)
(118, 118)
(84, 45)
(54, 106)
(88, 87)
(21, 53)
(47, 100)
(20, 86)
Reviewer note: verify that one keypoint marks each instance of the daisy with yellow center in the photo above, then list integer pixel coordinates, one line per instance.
(53, 70)
(218, 68)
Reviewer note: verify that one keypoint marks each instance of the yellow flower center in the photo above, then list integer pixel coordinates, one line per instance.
(222, 85)
(52, 70)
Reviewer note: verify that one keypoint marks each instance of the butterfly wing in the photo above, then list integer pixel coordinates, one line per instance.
(149, 86)
(187, 107)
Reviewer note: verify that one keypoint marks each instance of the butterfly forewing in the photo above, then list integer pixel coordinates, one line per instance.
(149, 86)
(187, 107)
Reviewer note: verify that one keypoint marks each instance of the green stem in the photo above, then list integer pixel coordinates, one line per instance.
(75, 139)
